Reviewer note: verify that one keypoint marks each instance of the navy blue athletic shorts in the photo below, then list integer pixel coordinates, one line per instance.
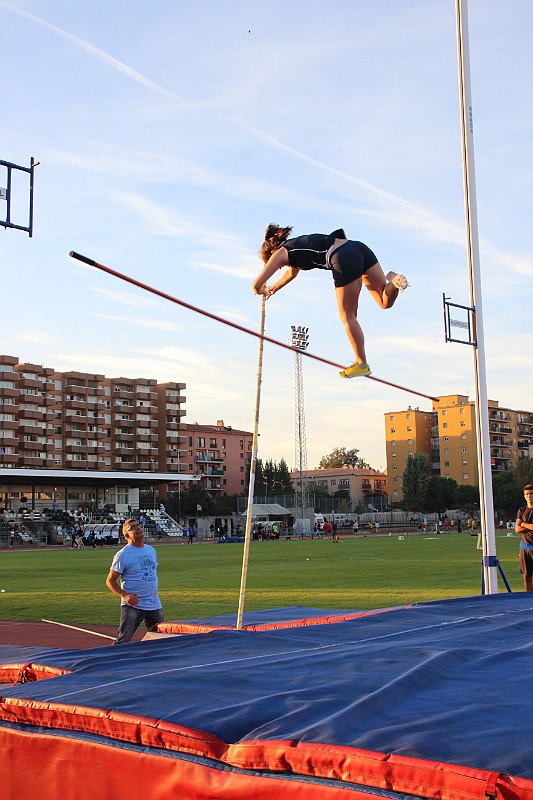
(350, 261)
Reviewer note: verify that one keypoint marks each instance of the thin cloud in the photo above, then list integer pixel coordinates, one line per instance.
(125, 298)
(36, 337)
(143, 322)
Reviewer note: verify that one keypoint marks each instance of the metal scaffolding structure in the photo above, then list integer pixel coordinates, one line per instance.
(300, 341)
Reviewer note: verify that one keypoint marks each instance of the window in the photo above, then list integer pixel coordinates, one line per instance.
(444, 424)
(409, 428)
(463, 449)
(444, 413)
(446, 451)
(465, 475)
(445, 438)
(393, 455)
(461, 411)
(463, 436)
(465, 462)
(201, 441)
(393, 444)
(407, 416)
(463, 424)
(393, 430)
(391, 417)
(446, 463)
(409, 441)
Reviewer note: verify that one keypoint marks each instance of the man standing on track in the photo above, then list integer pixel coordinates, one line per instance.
(136, 566)
(524, 526)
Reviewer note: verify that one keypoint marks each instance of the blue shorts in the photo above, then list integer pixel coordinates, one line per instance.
(350, 261)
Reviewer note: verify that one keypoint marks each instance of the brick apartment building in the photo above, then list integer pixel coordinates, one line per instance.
(447, 435)
(220, 454)
(85, 421)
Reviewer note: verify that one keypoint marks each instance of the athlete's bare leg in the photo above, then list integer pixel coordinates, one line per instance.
(347, 303)
(382, 292)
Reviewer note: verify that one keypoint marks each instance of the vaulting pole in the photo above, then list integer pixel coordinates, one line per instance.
(253, 464)
(77, 628)
(490, 563)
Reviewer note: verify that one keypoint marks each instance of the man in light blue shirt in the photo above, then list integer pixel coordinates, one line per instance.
(136, 566)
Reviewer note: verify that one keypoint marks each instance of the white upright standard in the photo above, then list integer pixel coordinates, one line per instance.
(490, 574)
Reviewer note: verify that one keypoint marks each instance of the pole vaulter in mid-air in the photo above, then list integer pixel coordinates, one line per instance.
(92, 263)
(352, 264)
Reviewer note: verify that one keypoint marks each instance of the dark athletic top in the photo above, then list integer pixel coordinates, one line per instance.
(526, 537)
(309, 252)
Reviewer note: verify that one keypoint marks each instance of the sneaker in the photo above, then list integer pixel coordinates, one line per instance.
(355, 370)
(400, 281)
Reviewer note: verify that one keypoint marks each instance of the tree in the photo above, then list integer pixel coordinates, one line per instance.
(467, 497)
(415, 482)
(441, 494)
(341, 457)
(284, 477)
(523, 472)
(197, 500)
(508, 494)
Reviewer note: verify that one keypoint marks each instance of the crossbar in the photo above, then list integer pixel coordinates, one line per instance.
(92, 263)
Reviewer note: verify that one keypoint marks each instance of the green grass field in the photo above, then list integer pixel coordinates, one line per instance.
(203, 580)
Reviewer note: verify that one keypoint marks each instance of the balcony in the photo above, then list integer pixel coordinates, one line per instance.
(29, 383)
(9, 459)
(28, 461)
(30, 427)
(9, 425)
(9, 441)
(124, 423)
(71, 463)
(208, 459)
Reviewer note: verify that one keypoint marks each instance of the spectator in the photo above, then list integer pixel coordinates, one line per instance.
(136, 567)
(524, 526)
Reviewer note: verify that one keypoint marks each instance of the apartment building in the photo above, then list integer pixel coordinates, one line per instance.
(220, 454)
(85, 421)
(360, 483)
(447, 435)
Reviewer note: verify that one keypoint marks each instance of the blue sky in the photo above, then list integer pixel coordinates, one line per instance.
(170, 133)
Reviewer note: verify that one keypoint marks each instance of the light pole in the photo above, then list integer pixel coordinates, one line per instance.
(300, 340)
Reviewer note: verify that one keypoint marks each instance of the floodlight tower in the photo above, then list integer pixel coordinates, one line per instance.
(300, 340)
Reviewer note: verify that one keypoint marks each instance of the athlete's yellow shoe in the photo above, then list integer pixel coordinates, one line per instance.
(355, 370)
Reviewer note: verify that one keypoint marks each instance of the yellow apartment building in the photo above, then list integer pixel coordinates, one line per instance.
(447, 435)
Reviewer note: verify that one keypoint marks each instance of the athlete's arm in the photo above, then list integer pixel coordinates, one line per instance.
(278, 259)
(289, 275)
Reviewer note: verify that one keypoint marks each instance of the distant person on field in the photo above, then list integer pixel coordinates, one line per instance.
(136, 567)
(524, 526)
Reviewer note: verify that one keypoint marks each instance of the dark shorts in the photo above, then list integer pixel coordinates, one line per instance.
(350, 261)
(526, 562)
